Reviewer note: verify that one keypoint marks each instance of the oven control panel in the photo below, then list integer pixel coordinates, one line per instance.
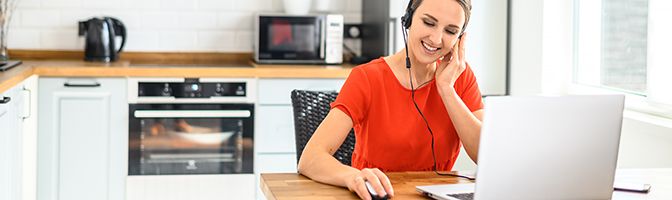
(192, 88)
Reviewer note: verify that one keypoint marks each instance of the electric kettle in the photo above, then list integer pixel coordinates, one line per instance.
(100, 36)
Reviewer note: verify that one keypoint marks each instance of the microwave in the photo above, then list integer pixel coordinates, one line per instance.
(298, 39)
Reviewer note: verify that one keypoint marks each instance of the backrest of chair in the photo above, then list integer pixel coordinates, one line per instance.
(310, 108)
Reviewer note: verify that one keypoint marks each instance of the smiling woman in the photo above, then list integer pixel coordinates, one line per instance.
(411, 111)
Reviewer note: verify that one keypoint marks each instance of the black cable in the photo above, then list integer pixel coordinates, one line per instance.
(410, 80)
(434, 168)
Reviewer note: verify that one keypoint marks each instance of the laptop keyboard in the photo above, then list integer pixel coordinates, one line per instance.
(462, 196)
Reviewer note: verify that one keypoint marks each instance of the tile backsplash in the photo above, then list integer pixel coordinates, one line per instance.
(153, 25)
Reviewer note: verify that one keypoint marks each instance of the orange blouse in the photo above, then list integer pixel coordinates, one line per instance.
(390, 133)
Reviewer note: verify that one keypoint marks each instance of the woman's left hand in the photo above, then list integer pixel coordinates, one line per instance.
(451, 66)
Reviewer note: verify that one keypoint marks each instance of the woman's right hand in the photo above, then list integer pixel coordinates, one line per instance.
(381, 184)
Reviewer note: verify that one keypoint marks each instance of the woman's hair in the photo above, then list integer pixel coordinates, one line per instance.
(465, 4)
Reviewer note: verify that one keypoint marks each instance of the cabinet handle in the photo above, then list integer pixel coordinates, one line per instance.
(82, 85)
(5, 100)
(28, 99)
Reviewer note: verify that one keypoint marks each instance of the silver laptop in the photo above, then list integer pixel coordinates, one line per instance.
(544, 148)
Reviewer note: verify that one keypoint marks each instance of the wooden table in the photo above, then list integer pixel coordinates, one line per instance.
(295, 186)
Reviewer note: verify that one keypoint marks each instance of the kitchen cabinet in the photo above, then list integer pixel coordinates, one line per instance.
(82, 139)
(16, 127)
(10, 148)
(274, 138)
(29, 139)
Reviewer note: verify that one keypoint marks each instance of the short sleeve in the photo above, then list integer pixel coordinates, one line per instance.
(355, 95)
(468, 90)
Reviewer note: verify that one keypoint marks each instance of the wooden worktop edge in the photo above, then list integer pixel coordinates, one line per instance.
(165, 58)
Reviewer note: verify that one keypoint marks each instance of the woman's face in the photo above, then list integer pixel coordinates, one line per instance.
(435, 29)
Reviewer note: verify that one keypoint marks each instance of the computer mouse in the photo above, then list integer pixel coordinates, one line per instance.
(374, 194)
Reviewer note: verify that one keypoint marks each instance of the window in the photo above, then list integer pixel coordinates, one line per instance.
(612, 44)
(621, 45)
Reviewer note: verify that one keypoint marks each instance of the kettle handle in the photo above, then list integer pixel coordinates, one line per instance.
(122, 31)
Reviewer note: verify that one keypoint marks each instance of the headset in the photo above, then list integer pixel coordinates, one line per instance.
(406, 20)
(405, 25)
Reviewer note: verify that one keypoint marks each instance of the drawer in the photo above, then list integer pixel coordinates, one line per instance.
(11, 104)
(278, 91)
(275, 130)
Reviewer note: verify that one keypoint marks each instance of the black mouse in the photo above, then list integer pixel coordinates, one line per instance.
(374, 194)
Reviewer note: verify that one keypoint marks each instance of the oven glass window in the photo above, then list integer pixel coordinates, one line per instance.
(166, 142)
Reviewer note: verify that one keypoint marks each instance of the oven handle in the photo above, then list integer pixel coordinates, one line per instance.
(192, 114)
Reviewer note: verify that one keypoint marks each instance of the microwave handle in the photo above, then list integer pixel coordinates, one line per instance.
(393, 39)
(323, 37)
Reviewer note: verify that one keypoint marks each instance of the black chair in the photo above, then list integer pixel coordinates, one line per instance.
(310, 108)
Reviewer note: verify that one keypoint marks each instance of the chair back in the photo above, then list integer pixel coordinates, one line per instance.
(310, 108)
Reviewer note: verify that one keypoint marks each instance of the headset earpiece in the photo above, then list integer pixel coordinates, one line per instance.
(406, 24)
(408, 16)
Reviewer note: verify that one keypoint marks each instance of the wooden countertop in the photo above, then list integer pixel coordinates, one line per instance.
(295, 186)
(74, 68)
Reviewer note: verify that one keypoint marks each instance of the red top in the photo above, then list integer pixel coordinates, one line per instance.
(390, 133)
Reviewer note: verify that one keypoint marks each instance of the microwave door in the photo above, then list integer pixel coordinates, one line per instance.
(291, 39)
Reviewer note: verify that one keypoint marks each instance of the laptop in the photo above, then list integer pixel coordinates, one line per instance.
(543, 148)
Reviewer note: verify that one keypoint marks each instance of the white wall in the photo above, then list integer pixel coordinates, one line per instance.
(526, 46)
(153, 25)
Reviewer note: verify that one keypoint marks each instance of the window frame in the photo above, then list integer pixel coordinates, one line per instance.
(655, 101)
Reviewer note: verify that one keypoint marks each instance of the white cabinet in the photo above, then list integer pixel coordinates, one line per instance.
(11, 102)
(83, 138)
(16, 128)
(29, 139)
(274, 136)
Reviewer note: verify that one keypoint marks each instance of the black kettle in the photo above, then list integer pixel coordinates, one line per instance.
(100, 35)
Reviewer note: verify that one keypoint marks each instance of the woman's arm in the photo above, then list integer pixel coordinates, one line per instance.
(466, 123)
(318, 163)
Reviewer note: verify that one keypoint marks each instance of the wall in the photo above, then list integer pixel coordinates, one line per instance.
(153, 25)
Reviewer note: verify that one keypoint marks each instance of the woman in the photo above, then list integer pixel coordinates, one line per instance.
(378, 98)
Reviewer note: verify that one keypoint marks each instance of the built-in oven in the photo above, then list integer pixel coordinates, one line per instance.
(189, 132)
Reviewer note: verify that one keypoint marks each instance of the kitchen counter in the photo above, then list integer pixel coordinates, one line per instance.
(73, 68)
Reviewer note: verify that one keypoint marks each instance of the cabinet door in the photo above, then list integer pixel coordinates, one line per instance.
(82, 138)
(29, 139)
(10, 146)
(7, 129)
(274, 137)
(275, 133)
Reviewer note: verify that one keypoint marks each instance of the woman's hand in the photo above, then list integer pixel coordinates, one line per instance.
(451, 65)
(381, 184)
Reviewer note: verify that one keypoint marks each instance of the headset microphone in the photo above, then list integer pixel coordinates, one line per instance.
(408, 60)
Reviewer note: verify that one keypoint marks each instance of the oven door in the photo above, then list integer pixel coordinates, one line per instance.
(291, 39)
(183, 139)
